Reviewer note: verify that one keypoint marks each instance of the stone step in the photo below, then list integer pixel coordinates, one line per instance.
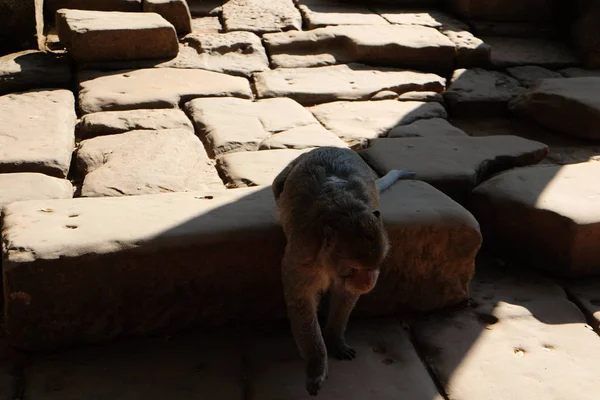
(318, 14)
(105, 36)
(260, 16)
(176, 12)
(22, 186)
(90, 269)
(511, 52)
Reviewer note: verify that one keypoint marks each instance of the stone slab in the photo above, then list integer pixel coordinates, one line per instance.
(387, 366)
(528, 75)
(524, 339)
(310, 86)
(32, 69)
(398, 46)
(104, 36)
(32, 186)
(511, 52)
(253, 123)
(112, 122)
(372, 119)
(51, 6)
(176, 12)
(154, 88)
(321, 14)
(206, 25)
(107, 267)
(585, 293)
(419, 16)
(142, 162)
(421, 96)
(182, 366)
(479, 92)
(574, 72)
(547, 214)
(454, 165)
(38, 132)
(432, 127)
(471, 51)
(567, 105)
(503, 10)
(302, 137)
(260, 16)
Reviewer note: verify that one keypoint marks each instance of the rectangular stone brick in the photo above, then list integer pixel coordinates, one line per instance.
(51, 6)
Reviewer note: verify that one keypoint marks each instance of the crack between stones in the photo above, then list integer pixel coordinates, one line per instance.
(591, 321)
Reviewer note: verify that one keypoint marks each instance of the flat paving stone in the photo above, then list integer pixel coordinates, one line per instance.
(154, 88)
(254, 122)
(318, 14)
(51, 6)
(421, 96)
(176, 12)
(142, 162)
(156, 368)
(38, 132)
(310, 86)
(302, 137)
(32, 69)
(523, 339)
(372, 119)
(574, 72)
(112, 122)
(471, 51)
(511, 52)
(528, 75)
(387, 366)
(398, 46)
(260, 16)
(432, 127)
(418, 16)
(102, 35)
(549, 214)
(479, 92)
(206, 25)
(454, 165)
(22, 186)
(567, 105)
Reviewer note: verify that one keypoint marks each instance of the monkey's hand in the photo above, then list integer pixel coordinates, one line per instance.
(340, 350)
(315, 376)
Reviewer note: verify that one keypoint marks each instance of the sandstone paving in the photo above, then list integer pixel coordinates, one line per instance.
(575, 72)
(477, 91)
(399, 46)
(471, 51)
(22, 186)
(32, 69)
(387, 366)
(206, 25)
(168, 160)
(521, 337)
(585, 293)
(454, 165)
(317, 14)
(51, 6)
(528, 75)
(254, 122)
(37, 132)
(112, 122)
(310, 86)
(176, 12)
(546, 215)
(372, 119)
(302, 137)
(154, 88)
(103, 36)
(568, 105)
(511, 52)
(431, 127)
(421, 96)
(260, 16)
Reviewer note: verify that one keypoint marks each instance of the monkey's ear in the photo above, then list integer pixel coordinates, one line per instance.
(377, 214)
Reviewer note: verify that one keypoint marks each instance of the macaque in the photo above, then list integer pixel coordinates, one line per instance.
(328, 201)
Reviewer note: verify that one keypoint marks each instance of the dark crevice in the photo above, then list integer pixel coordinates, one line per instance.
(591, 321)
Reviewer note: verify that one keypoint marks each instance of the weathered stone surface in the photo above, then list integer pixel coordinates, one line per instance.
(113, 253)
(254, 168)
(176, 12)
(470, 50)
(32, 186)
(169, 160)
(154, 88)
(253, 122)
(426, 128)
(37, 133)
(510, 52)
(103, 36)
(260, 16)
(31, 69)
(585, 34)
(585, 292)
(528, 75)
(302, 137)
(372, 119)
(320, 14)
(399, 46)
(513, 29)
(387, 366)
(504, 10)
(203, 8)
(52, 6)
(419, 16)
(454, 165)
(523, 335)
(111, 122)
(421, 96)
(206, 25)
(567, 105)
(574, 72)
(549, 213)
(310, 86)
(189, 365)
(477, 91)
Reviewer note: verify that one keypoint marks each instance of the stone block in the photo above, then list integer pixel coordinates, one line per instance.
(32, 69)
(176, 12)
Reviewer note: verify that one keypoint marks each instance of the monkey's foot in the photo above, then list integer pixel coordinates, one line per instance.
(341, 350)
(313, 384)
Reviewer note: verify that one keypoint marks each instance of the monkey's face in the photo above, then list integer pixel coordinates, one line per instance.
(361, 280)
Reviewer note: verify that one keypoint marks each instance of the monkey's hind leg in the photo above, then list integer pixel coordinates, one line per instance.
(341, 305)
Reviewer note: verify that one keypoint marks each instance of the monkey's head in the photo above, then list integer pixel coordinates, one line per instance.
(355, 245)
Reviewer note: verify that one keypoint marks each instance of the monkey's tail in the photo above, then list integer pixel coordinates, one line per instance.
(392, 177)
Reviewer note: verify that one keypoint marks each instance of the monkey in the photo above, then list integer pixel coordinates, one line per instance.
(328, 206)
